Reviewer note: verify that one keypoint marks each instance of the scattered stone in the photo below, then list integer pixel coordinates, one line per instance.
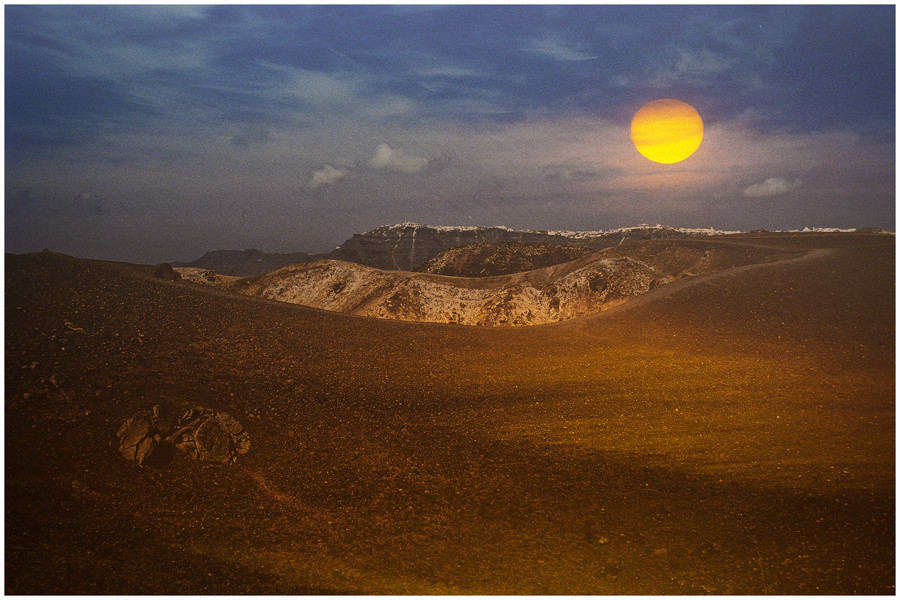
(72, 326)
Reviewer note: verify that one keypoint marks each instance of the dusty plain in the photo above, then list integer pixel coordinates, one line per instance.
(730, 433)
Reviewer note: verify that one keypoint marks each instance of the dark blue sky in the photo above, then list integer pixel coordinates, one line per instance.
(153, 133)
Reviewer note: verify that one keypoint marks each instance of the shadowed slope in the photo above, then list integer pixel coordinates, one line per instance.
(730, 436)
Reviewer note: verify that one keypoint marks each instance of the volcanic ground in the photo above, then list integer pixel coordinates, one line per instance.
(727, 433)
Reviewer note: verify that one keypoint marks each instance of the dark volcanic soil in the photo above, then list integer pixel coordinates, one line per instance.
(728, 434)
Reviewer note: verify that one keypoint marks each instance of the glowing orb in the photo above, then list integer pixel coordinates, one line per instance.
(667, 131)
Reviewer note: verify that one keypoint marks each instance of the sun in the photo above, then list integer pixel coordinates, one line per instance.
(666, 130)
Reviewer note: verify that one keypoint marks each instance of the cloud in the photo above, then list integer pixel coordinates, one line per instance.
(773, 186)
(557, 49)
(446, 71)
(396, 160)
(327, 175)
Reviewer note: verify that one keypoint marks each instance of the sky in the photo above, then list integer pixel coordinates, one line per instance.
(152, 133)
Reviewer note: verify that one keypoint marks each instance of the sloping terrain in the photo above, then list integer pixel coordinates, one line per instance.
(729, 433)
(573, 289)
(505, 258)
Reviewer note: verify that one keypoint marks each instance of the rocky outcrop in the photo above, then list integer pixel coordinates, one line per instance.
(587, 285)
(142, 441)
(165, 272)
(521, 299)
(405, 246)
(211, 436)
(148, 439)
(205, 276)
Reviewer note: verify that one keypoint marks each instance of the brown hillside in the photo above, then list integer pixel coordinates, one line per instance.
(730, 433)
(597, 281)
(489, 260)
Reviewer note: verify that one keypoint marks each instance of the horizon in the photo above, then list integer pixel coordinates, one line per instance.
(159, 133)
(698, 231)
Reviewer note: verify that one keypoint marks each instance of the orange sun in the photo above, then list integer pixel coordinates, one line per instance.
(667, 131)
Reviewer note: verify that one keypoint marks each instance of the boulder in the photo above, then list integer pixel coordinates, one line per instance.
(141, 440)
(213, 443)
(207, 435)
(167, 272)
(201, 433)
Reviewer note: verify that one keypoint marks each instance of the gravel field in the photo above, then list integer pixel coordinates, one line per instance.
(730, 433)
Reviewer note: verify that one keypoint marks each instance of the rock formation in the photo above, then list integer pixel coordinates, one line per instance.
(584, 286)
(205, 276)
(207, 435)
(142, 441)
(166, 272)
(201, 433)
(406, 246)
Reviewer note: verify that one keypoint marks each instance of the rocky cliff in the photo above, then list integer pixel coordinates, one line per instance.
(406, 246)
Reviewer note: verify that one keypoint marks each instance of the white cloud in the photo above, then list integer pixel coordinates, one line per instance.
(327, 175)
(446, 71)
(773, 186)
(396, 160)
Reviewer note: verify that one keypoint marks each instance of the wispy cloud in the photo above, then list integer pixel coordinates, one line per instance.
(557, 49)
(327, 175)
